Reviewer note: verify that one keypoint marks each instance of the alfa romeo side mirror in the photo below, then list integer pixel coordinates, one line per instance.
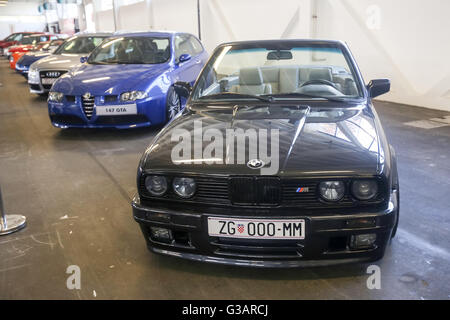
(184, 57)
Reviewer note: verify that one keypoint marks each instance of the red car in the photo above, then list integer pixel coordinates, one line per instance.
(30, 43)
(13, 39)
(47, 46)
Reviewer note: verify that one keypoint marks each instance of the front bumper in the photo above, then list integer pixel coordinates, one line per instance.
(71, 115)
(325, 243)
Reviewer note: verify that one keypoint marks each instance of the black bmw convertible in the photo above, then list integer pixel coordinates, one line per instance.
(278, 160)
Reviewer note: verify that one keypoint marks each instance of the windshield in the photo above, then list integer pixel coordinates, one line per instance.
(32, 39)
(126, 50)
(13, 37)
(281, 71)
(80, 45)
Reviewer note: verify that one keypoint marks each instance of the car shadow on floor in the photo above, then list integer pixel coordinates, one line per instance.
(276, 274)
(108, 134)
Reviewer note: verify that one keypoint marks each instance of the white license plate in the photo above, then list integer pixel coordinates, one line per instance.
(256, 228)
(116, 110)
(48, 80)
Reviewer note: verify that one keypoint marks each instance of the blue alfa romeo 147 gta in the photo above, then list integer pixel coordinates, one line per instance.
(127, 81)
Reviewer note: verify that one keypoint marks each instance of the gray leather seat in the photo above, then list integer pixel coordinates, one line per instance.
(320, 74)
(289, 79)
(323, 74)
(251, 82)
(271, 76)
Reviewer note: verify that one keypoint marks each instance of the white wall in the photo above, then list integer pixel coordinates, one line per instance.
(221, 20)
(404, 40)
(20, 16)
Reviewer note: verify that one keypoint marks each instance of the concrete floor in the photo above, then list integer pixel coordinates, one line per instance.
(75, 188)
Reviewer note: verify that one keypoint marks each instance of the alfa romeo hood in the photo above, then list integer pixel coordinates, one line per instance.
(115, 78)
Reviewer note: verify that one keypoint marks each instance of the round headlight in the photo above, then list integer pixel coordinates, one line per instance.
(184, 187)
(156, 185)
(364, 189)
(332, 190)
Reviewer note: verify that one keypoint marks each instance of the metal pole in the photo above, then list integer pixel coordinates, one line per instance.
(114, 14)
(10, 223)
(3, 223)
(198, 20)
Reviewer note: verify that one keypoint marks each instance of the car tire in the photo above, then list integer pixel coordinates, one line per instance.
(173, 104)
(397, 214)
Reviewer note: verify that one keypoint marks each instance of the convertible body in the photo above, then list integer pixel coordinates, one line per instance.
(332, 194)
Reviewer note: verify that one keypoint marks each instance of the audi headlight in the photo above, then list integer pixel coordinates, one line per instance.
(364, 189)
(156, 185)
(55, 96)
(332, 190)
(33, 76)
(184, 187)
(132, 96)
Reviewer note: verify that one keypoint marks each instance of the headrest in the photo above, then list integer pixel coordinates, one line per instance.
(320, 74)
(250, 77)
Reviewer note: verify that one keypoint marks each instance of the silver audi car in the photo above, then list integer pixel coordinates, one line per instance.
(44, 72)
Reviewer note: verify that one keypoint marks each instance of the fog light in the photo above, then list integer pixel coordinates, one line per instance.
(161, 234)
(362, 241)
(361, 223)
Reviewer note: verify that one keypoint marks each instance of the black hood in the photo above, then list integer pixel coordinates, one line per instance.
(313, 140)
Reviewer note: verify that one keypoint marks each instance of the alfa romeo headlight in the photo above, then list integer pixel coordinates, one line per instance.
(156, 185)
(332, 190)
(132, 96)
(55, 96)
(364, 189)
(184, 187)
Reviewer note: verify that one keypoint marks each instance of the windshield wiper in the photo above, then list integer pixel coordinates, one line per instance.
(305, 95)
(265, 98)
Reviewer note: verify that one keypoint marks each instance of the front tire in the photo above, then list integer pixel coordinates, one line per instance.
(173, 104)
(397, 214)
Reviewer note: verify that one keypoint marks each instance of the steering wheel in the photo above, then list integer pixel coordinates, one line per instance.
(320, 81)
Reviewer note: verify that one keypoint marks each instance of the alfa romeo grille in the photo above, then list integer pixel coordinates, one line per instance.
(88, 105)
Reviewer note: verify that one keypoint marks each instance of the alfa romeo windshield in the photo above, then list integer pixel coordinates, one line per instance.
(138, 50)
(80, 45)
(294, 72)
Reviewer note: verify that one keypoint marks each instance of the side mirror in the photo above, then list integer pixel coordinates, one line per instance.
(83, 59)
(378, 87)
(184, 57)
(183, 89)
